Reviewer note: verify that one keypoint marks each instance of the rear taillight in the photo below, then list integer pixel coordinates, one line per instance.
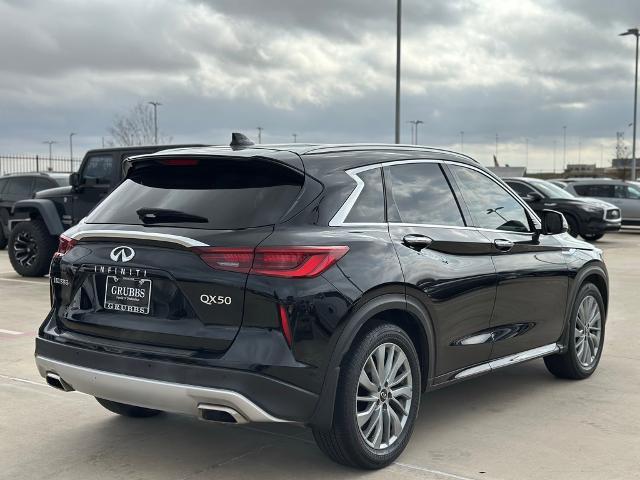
(287, 262)
(231, 259)
(64, 245)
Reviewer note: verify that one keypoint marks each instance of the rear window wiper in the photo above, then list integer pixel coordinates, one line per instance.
(161, 215)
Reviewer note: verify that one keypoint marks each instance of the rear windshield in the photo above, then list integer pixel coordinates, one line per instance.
(216, 194)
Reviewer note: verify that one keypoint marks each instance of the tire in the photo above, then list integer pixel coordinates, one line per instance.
(571, 364)
(574, 227)
(345, 442)
(593, 237)
(127, 410)
(31, 248)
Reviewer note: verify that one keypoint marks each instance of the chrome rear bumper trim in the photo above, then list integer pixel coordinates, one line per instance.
(155, 394)
(135, 235)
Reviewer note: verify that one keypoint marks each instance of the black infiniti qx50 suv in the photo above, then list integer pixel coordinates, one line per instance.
(329, 286)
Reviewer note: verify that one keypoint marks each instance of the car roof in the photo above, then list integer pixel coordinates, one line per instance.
(595, 181)
(323, 156)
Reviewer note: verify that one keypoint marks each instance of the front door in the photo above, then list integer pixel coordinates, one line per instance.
(532, 272)
(96, 180)
(446, 265)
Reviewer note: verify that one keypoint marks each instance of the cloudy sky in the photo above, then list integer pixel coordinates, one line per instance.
(521, 69)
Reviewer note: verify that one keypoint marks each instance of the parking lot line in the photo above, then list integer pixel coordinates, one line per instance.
(22, 281)
(434, 472)
(10, 332)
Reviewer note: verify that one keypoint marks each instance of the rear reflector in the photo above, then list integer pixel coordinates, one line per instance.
(284, 323)
(64, 245)
(287, 262)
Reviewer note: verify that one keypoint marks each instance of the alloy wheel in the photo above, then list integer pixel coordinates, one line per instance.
(25, 249)
(383, 400)
(588, 331)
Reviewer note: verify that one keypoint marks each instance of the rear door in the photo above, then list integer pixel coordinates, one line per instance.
(164, 259)
(446, 264)
(532, 272)
(627, 197)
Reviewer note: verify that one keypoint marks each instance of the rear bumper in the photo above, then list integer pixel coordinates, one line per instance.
(173, 387)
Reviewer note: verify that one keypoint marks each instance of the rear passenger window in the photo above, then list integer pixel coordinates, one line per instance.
(606, 191)
(490, 205)
(520, 188)
(369, 207)
(422, 195)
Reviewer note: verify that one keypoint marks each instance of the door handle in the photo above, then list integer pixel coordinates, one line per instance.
(417, 242)
(503, 245)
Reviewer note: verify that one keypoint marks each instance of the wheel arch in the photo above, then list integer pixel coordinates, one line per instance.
(594, 273)
(40, 208)
(398, 309)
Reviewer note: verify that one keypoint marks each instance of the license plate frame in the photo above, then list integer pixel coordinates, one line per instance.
(131, 295)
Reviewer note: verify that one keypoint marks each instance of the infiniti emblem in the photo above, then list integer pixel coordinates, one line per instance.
(122, 254)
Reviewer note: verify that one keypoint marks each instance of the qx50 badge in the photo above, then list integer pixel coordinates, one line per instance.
(122, 254)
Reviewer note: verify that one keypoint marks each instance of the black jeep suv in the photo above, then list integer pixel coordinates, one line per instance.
(36, 223)
(328, 286)
(21, 186)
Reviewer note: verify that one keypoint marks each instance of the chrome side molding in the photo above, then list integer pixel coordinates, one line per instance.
(508, 360)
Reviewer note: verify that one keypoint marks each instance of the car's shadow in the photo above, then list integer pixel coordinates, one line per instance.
(182, 447)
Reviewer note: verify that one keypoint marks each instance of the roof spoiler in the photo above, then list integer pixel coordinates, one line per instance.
(239, 140)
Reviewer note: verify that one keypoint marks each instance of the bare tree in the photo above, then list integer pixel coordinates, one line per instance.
(135, 128)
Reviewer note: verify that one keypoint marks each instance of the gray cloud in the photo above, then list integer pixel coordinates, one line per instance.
(322, 69)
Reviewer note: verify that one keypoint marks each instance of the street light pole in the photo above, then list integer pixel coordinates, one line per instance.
(295, 138)
(50, 142)
(71, 149)
(636, 32)
(155, 120)
(260, 134)
(418, 122)
(564, 147)
(398, 43)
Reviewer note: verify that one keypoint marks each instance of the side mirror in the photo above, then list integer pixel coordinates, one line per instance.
(74, 179)
(553, 223)
(533, 197)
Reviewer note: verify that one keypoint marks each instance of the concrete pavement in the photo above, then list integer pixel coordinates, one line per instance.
(519, 423)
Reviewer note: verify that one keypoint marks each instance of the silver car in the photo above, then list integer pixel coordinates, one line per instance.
(625, 195)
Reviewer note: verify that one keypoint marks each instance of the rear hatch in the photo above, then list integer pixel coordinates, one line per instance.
(164, 259)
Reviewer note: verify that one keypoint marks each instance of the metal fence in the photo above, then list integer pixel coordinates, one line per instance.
(36, 163)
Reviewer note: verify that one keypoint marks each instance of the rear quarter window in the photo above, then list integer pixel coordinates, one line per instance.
(218, 194)
(369, 207)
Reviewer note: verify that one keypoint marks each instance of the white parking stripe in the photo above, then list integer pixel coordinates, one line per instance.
(435, 472)
(23, 281)
(10, 332)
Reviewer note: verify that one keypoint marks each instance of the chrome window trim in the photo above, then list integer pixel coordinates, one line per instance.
(134, 235)
(338, 220)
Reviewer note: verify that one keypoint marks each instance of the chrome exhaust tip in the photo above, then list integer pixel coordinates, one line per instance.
(220, 414)
(54, 380)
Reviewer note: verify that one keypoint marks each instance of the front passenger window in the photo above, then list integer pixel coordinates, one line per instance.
(490, 205)
(99, 167)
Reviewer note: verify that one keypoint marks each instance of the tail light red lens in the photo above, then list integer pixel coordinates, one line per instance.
(230, 259)
(287, 262)
(64, 245)
(295, 262)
